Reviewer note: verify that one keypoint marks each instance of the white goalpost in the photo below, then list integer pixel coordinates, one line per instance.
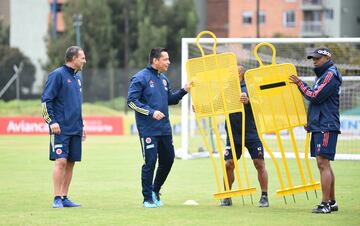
(289, 50)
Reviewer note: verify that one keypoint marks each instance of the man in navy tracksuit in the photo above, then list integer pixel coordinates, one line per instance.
(149, 95)
(61, 109)
(252, 143)
(323, 121)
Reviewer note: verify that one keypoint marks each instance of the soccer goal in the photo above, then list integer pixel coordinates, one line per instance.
(346, 55)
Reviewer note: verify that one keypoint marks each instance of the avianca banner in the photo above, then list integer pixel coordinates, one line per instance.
(97, 125)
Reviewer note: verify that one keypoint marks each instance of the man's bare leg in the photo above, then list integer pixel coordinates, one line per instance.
(263, 181)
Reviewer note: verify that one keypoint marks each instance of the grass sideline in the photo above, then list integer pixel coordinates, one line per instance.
(107, 184)
(33, 108)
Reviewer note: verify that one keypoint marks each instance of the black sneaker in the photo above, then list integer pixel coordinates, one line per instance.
(264, 202)
(322, 208)
(334, 206)
(226, 202)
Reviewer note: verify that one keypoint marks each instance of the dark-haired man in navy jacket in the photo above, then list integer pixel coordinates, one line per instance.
(149, 95)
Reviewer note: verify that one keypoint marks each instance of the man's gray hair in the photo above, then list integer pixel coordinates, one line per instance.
(71, 52)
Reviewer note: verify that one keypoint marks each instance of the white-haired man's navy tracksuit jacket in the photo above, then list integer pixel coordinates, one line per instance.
(61, 103)
(150, 91)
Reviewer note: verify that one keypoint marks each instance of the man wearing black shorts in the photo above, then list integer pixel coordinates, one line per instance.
(323, 121)
(61, 109)
(252, 143)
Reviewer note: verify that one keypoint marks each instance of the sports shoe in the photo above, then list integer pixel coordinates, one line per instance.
(226, 202)
(156, 199)
(67, 203)
(58, 203)
(263, 202)
(149, 204)
(322, 208)
(334, 206)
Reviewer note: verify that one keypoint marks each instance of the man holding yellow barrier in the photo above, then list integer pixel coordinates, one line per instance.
(252, 143)
(323, 121)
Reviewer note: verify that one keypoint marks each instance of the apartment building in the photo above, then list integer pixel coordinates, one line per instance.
(285, 18)
(276, 17)
(331, 18)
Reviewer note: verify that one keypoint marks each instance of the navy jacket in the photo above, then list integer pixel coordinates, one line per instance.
(323, 111)
(150, 91)
(61, 100)
(236, 122)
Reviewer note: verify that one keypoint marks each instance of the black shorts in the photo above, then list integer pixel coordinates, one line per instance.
(323, 144)
(65, 146)
(255, 149)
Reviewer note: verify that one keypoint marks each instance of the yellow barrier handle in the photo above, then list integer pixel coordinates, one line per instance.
(206, 33)
(273, 60)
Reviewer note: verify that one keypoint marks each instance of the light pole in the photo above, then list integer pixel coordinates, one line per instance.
(126, 49)
(77, 24)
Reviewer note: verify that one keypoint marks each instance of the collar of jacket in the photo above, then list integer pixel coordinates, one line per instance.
(319, 71)
(153, 69)
(71, 70)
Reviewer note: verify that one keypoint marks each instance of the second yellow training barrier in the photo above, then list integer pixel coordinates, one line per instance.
(278, 105)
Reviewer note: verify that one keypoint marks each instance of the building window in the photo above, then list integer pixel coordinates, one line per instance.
(289, 18)
(313, 2)
(262, 17)
(247, 17)
(329, 14)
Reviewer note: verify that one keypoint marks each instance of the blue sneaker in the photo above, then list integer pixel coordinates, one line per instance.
(67, 203)
(156, 199)
(149, 204)
(58, 203)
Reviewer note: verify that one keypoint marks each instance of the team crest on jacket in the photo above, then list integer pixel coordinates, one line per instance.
(148, 140)
(151, 83)
(79, 82)
(58, 151)
(165, 84)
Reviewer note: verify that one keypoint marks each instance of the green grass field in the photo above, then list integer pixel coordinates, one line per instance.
(33, 108)
(107, 184)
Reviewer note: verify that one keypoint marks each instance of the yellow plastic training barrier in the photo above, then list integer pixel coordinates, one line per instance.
(278, 105)
(216, 92)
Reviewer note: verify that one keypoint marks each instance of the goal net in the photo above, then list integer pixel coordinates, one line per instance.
(346, 55)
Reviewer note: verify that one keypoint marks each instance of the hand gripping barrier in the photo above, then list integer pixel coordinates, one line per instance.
(278, 105)
(215, 93)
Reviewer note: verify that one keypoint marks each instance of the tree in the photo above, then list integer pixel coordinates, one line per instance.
(120, 33)
(96, 41)
(10, 57)
(4, 33)
(149, 36)
(184, 20)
